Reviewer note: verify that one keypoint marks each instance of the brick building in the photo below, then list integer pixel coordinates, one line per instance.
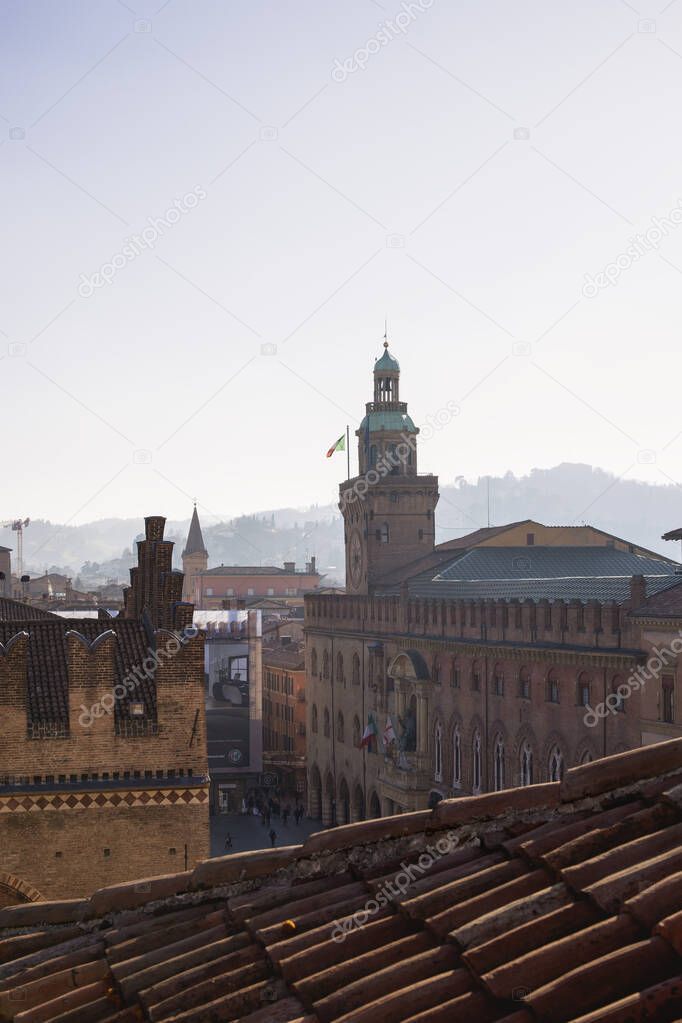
(482, 655)
(245, 585)
(194, 558)
(284, 718)
(103, 768)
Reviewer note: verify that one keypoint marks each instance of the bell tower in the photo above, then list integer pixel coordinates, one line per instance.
(388, 509)
(194, 558)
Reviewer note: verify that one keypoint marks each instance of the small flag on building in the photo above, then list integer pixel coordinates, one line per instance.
(389, 733)
(340, 445)
(369, 733)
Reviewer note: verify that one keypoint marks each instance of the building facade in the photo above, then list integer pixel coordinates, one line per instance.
(284, 719)
(234, 704)
(103, 767)
(243, 585)
(477, 664)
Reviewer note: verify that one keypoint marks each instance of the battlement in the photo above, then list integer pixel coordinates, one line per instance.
(592, 623)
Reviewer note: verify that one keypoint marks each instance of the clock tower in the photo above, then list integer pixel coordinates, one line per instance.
(388, 509)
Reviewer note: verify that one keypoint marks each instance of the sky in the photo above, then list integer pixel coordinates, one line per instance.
(209, 210)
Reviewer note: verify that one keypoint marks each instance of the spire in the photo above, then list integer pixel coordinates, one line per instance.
(195, 541)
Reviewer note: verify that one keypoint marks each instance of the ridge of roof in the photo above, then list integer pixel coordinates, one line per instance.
(617, 774)
(483, 533)
(18, 611)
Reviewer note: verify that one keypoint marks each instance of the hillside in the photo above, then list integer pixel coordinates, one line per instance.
(567, 494)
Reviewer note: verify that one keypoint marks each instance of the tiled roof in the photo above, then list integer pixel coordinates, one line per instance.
(537, 573)
(665, 604)
(16, 611)
(555, 903)
(47, 663)
(478, 536)
(291, 657)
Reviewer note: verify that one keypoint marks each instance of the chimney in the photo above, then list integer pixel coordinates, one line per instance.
(637, 591)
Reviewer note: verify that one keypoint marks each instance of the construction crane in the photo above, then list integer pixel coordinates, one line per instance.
(18, 526)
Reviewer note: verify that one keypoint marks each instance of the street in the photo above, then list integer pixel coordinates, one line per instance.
(248, 832)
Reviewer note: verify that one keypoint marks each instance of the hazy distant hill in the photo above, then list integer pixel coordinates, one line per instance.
(568, 494)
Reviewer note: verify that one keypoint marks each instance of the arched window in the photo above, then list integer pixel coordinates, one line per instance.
(583, 693)
(356, 731)
(373, 455)
(356, 670)
(498, 680)
(438, 751)
(456, 758)
(435, 668)
(325, 664)
(553, 686)
(586, 758)
(498, 763)
(340, 727)
(526, 764)
(618, 694)
(326, 723)
(313, 718)
(556, 764)
(476, 758)
(313, 662)
(454, 674)
(384, 533)
(340, 678)
(476, 676)
(524, 684)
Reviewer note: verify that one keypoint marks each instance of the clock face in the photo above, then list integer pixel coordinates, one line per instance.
(355, 558)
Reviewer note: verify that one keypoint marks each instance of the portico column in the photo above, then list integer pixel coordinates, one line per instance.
(422, 722)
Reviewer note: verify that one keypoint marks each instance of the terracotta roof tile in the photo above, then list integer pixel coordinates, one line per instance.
(530, 936)
(543, 913)
(552, 961)
(482, 905)
(619, 973)
(621, 770)
(381, 985)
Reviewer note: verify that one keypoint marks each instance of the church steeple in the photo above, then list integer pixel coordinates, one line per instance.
(195, 540)
(194, 558)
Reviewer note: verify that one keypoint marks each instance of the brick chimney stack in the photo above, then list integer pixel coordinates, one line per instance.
(154, 586)
(637, 591)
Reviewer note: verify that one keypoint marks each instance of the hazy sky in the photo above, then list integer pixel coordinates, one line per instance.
(463, 182)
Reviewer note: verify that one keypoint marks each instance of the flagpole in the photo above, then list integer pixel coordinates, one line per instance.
(348, 447)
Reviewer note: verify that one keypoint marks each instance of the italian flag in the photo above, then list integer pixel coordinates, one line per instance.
(369, 733)
(340, 445)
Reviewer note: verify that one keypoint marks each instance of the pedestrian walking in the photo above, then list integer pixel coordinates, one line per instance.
(273, 837)
(228, 841)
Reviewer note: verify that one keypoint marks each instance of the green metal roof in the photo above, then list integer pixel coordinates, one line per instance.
(396, 421)
(387, 362)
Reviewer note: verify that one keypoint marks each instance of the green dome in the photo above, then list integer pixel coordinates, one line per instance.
(387, 362)
(398, 422)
